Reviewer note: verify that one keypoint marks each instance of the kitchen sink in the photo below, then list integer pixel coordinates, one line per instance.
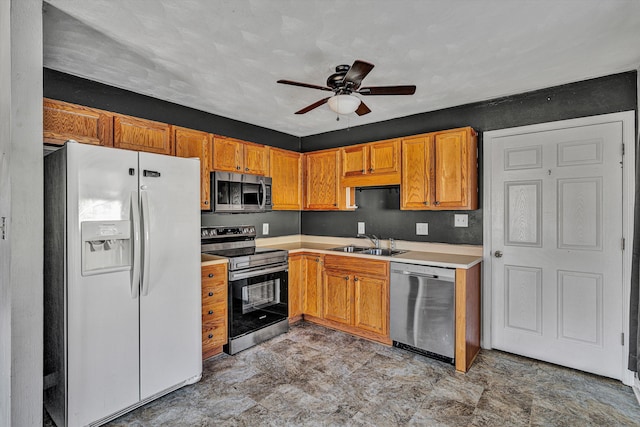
(382, 252)
(350, 248)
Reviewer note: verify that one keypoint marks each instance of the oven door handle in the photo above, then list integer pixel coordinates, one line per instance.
(239, 275)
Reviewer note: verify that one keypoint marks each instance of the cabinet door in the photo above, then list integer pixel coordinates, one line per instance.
(227, 154)
(312, 296)
(286, 174)
(337, 295)
(132, 133)
(62, 121)
(322, 180)
(417, 173)
(371, 309)
(454, 174)
(354, 160)
(384, 157)
(296, 285)
(192, 143)
(255, 159)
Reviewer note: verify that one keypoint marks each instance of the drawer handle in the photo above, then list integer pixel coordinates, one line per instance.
(210, 294)
(210, 311)
(210, 336)
(210, 274)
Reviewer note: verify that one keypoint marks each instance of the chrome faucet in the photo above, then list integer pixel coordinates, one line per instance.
(374, 239)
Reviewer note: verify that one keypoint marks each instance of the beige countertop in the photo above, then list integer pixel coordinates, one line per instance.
(425, 254)
(207, 259)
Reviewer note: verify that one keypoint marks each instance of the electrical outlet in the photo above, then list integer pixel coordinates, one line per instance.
(361, 228)
(422, 228)
(461, 220)
(265, 229)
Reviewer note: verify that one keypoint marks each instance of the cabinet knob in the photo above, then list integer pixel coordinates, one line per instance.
(317, 259)
(246, 169)
(370, 169)
(210, 294)
(426, 203)
(210, 274)
(210, 336)
(210, 311)
(237, 167)
(436, 203)
(355, 279)
(346, 277)
(335, 204)
(362, 171)
(206, 202)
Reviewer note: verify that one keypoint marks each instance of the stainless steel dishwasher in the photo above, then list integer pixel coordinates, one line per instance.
(422, 311)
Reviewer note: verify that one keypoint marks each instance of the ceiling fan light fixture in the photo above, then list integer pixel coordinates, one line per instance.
(344, 104)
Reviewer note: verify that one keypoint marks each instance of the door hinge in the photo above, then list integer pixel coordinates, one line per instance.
(622, 337)
(623, 148)
(3, 228)
(622, 243)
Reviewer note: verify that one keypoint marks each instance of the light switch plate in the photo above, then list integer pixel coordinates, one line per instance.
(422, 228)
(265, 229)
(461, 220)
(361, 228)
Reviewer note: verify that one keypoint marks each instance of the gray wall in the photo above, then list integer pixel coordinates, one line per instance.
(603, 95)
(21, 308)
(281, 223)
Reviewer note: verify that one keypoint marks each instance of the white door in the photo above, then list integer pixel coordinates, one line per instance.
(170, 301)
(556, 241)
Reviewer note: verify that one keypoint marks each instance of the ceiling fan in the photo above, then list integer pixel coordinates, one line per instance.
(344, 83)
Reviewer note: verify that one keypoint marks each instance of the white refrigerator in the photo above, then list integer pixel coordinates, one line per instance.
(122, 280)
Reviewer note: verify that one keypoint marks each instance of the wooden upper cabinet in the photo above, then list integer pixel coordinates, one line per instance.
(63, 121)
(193, 143)
(440, 171)
(456, 169)
(322, 180)
(133, 133)
(417, 172)
(234, 155)
(286, 173)
(375, 163)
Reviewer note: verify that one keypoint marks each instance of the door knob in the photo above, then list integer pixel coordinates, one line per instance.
(498, 254)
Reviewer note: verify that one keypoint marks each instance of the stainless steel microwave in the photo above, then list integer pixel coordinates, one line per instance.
(240, 193)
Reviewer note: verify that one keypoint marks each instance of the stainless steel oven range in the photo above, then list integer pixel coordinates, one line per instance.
(258, 285)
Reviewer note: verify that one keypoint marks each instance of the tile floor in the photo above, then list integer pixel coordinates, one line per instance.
(314, 376)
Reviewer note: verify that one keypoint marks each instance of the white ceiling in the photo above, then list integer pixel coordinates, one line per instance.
(224, 56)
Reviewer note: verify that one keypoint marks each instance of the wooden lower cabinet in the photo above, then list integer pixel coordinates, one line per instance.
(296, 286)
(214, 309)
(355, 296)
(312, 293)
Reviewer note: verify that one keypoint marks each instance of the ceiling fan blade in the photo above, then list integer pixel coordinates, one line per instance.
(362, 109)
(312, 106)
(292, 83)
(388, 90)
(357, 72)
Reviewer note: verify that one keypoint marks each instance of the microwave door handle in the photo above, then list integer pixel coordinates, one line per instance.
(264, 194)
(135, 267)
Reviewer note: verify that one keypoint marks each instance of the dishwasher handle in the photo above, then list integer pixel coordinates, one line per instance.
(411, 273)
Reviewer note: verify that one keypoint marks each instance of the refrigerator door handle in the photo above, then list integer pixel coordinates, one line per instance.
(135, 268)
(146, 249)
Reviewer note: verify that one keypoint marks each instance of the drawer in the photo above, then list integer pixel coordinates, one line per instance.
(214, 334)
(211, 312)
(357, 265)
(214, 294)
(214, 274)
